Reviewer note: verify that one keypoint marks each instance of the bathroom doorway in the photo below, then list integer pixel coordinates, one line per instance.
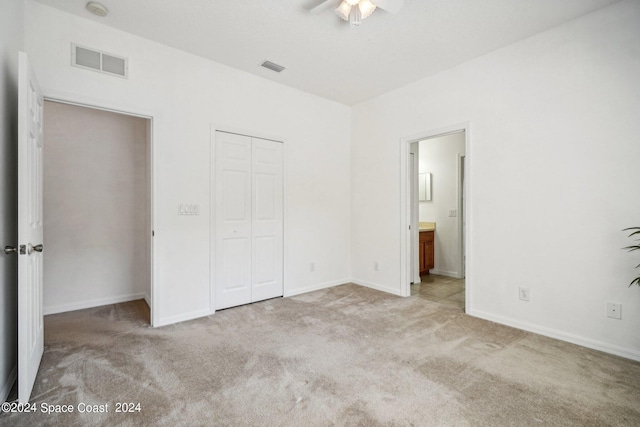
(441, 210)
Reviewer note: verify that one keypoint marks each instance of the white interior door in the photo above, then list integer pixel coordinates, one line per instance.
(267, 224)
(233, 220)
(248, 220)
(30, 229)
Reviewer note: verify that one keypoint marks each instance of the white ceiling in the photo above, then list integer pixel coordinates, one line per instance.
(322, 55)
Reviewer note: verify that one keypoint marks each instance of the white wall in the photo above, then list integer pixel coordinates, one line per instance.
(441, 156)
(11, 41)
(553, 177)
(186, 94)
(95, 213)
(552, 167)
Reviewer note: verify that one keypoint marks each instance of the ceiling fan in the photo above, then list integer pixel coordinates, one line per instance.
(355, 11)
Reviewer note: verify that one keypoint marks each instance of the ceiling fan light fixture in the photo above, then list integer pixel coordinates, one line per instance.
(344, 10)
(354, 11)
(355, 17)
(366, 8)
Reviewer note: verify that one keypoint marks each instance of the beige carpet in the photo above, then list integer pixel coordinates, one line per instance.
(346, 356)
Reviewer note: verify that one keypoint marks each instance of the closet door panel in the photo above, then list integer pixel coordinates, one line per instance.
(266, 250)
(267, 219)
(233, 220)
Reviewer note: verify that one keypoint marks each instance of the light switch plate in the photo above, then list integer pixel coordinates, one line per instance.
(188, 209)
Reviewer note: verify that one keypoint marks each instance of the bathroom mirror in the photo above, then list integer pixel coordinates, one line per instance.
(424, 187)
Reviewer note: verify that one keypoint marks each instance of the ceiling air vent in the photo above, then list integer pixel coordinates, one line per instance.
(272, 66)
(102, 62)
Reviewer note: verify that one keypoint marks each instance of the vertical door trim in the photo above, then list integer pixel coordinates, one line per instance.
(414, 171)
(462, 211)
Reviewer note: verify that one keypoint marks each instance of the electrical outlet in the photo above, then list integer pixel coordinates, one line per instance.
(376, 266)
(312, 267)
(523, 294)
(614, 310)
(453, 213)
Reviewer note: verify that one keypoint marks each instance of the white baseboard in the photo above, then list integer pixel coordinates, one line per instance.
(447, 273)
(147, 299)
(91, 303)
(317, 287)
(165, 321)
(8, 385)
(377, 287)
(563, 336)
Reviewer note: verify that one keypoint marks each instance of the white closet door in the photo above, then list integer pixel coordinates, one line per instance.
(233, 220)
(249, 220)
(267, 224)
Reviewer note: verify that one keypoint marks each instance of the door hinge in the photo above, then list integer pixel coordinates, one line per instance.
(153, 233)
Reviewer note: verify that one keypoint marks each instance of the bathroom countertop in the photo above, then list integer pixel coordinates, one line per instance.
(426, 226)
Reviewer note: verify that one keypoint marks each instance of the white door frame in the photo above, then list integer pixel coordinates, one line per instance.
(405, 205)
(462, 171)
(414, 170)
(80, 101)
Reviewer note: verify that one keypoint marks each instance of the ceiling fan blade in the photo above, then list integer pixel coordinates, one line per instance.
(391, 6)
(324, 5)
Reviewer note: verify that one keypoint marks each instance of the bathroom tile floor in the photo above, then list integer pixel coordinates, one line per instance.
(440, 289)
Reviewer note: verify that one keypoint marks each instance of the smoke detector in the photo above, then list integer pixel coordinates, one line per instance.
(97, 9)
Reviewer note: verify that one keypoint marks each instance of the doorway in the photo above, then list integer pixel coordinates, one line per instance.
(443, 158)
(97, 207)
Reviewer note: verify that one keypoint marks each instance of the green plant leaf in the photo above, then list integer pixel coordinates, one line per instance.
(637, 230)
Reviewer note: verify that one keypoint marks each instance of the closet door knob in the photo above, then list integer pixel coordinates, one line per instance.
(10, 250)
